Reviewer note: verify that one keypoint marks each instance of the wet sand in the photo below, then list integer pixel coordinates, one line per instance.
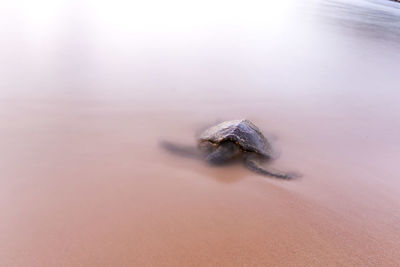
(84, 182)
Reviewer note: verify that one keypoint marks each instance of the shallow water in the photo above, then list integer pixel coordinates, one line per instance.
(87, 91)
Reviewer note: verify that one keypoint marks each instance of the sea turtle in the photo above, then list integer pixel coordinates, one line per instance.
(231, 139)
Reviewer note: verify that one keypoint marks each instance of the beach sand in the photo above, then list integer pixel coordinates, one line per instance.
(88, 91)
(86, 184)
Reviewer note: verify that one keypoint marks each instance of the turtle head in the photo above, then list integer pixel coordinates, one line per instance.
(207, 147)
(223, 153)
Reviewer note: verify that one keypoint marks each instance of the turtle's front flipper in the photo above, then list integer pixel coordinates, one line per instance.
(253, 162)
(182, 150)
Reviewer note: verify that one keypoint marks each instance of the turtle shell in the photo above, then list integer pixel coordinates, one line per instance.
(242, 132)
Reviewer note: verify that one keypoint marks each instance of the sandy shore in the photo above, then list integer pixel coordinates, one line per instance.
(88, 89)
(86, 184)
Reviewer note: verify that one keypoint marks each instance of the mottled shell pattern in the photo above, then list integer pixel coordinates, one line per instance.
(242, 132)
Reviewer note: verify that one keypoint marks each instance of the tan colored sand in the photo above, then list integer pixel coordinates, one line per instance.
(89, 88)
(87, 185)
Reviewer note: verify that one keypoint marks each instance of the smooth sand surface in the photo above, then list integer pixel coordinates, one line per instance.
(88, 90)
(85, 184)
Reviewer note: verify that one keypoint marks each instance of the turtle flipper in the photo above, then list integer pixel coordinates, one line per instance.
(253, 162)
(182, 150)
